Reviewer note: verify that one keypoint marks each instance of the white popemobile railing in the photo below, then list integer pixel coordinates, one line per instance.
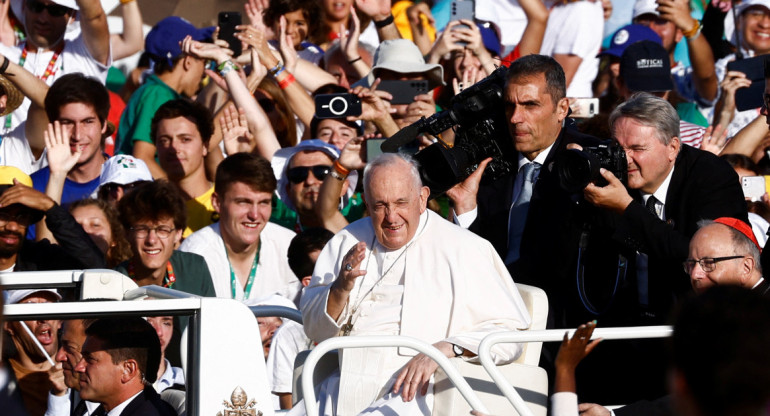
(509, 391)
(484, 355)
(330, 344)
(207, 315)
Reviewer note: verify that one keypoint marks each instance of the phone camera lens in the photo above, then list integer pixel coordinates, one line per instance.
(338, 106)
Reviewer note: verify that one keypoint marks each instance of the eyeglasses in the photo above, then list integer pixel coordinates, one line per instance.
(55, 10)
(708, 264)
(162, 231)
(299, 174)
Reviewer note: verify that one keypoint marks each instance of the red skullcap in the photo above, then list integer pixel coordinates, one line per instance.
(741, 226)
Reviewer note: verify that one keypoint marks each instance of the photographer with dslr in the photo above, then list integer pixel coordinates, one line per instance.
(670, 188)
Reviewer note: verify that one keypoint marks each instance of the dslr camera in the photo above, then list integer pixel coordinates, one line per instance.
(578, 168)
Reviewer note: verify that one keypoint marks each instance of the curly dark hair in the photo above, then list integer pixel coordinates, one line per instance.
(153, 201)
(119, 249)
(311, 10)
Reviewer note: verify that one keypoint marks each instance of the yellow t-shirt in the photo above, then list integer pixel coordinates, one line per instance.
(402, 21)
(200, 213)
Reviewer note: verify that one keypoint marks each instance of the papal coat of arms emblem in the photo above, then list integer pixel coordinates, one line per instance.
(239, 405)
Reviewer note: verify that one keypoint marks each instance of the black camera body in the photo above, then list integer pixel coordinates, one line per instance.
(578, 168)
(477, 115)
(337, 105)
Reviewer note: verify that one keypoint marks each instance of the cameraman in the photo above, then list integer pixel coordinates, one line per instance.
(532, 223)
(670, 188)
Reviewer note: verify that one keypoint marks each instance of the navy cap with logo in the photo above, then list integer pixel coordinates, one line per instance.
(645, 66)
(162, 43)
(628, 35)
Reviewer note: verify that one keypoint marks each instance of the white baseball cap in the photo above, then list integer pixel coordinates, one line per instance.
(123, 170)
(645, 7)
(16, 296)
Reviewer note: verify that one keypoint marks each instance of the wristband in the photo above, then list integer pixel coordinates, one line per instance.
(693, 33)
(125, 1)
(274, 71)
(336, 175)
(352, 61)
(286, 81)
(384, 22)
(338, 168)
(4, 66)
(225, 67)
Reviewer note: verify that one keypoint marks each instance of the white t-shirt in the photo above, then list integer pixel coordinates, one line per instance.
(274, 276)
(15, 151)
(576, 29)
(74, 57)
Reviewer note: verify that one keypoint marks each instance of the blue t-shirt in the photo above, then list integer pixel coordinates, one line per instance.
(73, 191)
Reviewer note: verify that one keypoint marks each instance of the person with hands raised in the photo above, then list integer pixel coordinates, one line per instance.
(352, 158)
(282, 70)
(176, 74)
(258, 124)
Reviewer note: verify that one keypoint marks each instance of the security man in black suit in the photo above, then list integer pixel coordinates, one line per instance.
(532, 222)
(120, 362)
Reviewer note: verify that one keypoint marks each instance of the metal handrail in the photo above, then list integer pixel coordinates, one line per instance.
(485, 353)
(157, 292)
(275, 310)
(383, 341)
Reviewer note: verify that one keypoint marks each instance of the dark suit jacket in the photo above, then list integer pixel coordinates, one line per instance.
(548, 254)
(148, 403)
(702, 187)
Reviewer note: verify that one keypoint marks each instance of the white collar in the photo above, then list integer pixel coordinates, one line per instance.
(540, 158)
(662, 191)
(119, 408)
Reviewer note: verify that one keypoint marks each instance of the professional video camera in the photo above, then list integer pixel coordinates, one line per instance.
(478, 116)
(578, 168)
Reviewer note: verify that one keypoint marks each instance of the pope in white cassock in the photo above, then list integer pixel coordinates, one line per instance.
(404, 270)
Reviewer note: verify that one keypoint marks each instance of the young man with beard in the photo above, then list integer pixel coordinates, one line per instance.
(21, 206)
(30, 365)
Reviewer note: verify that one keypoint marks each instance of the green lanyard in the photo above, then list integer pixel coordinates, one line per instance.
(252, 274)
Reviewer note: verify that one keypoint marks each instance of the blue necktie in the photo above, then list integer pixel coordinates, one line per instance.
(518, 215)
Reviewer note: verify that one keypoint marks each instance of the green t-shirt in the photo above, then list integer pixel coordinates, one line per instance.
(141, 108)
(286, 217)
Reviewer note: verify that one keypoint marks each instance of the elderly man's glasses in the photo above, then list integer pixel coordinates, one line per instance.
(299, 174)
(162, 231)
(708, 264)
(55, 10)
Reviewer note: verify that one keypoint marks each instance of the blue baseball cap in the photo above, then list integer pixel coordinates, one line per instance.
(163, 40)
(628, 35)
(489, 37)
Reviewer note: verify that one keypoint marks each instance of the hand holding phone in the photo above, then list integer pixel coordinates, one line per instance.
(227, 24)
(753, 187)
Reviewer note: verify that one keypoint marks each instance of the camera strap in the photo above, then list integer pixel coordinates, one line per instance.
(580, 276)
